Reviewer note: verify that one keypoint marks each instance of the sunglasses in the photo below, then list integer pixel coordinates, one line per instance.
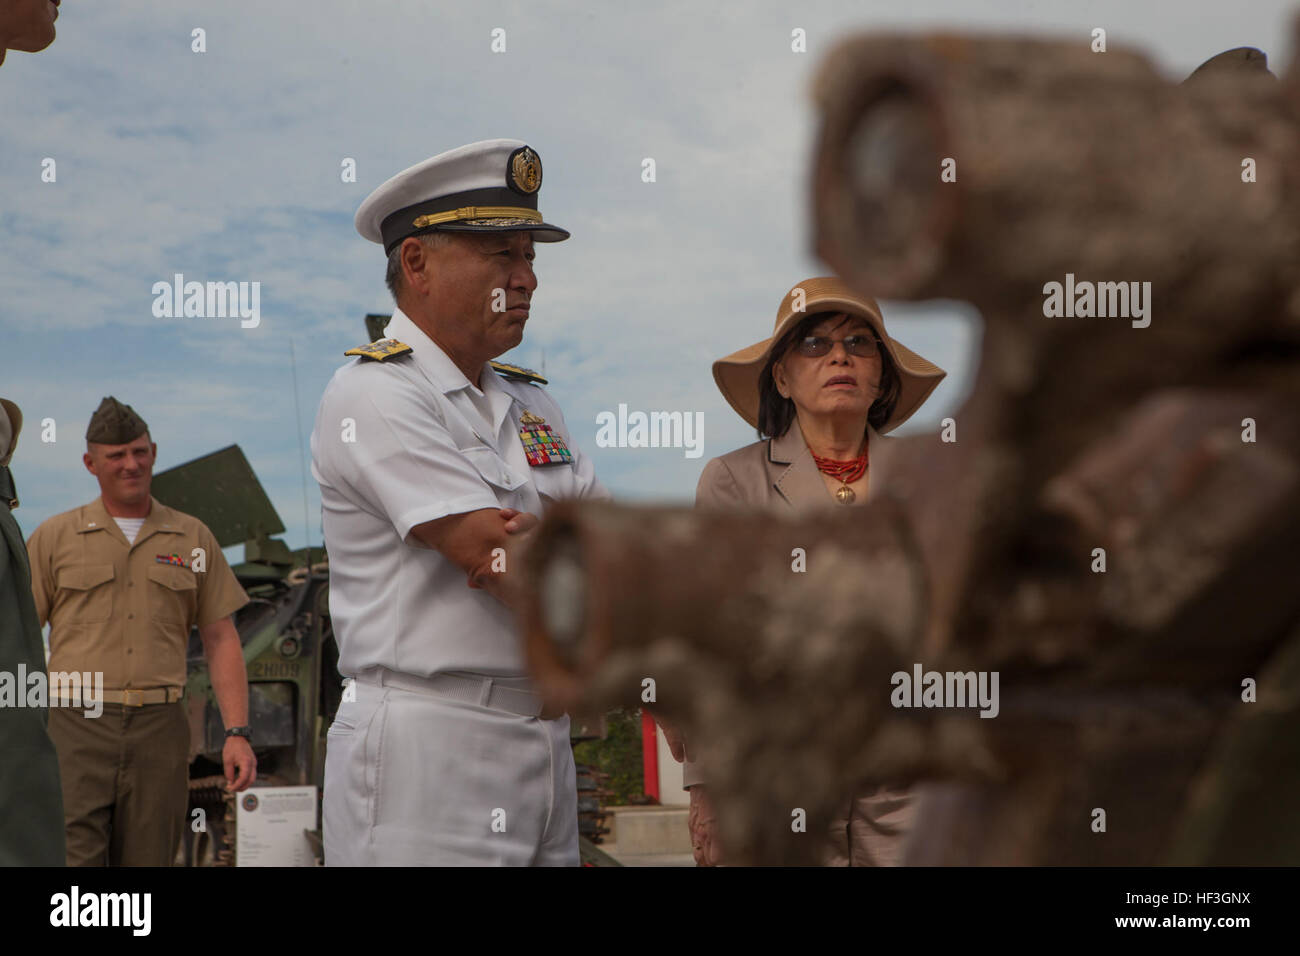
(863, 346)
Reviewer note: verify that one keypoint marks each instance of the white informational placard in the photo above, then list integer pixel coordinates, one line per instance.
(269, 826)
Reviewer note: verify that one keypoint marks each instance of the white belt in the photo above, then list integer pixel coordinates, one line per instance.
(470, 688)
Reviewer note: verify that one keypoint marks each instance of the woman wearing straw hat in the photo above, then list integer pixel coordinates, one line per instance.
(821, 390)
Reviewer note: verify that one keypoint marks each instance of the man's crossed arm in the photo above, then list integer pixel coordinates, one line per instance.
(470, 541)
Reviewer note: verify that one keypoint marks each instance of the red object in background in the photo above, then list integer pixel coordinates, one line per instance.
(650, 755)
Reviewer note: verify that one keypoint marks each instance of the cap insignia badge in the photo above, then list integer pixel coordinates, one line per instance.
(525, 171)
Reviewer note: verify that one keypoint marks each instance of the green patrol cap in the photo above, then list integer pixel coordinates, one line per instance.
(115, 424)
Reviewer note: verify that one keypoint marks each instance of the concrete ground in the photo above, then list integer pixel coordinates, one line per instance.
(648, 836)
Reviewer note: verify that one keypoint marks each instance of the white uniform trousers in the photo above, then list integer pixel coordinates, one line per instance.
(416, 779)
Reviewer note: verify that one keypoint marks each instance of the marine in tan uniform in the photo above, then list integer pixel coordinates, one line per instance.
(122, 580)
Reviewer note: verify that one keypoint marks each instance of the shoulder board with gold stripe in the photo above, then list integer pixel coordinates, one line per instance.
(380, 350)
(515, 372)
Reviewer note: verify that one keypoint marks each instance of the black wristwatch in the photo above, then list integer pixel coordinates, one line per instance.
(245, 732)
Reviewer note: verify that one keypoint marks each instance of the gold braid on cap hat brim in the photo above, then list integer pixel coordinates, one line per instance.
(477, 212)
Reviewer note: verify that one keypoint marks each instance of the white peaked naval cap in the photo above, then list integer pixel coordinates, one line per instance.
(490, 186)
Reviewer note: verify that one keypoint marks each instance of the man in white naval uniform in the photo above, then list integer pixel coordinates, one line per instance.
(432, 463)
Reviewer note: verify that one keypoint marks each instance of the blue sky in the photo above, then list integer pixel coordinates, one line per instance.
(225, 166)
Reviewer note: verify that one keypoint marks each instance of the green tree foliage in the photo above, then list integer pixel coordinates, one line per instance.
(619, 756)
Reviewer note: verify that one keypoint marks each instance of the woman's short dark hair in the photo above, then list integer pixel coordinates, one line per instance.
(775, 413)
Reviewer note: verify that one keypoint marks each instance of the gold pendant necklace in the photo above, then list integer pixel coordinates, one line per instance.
(844, 472)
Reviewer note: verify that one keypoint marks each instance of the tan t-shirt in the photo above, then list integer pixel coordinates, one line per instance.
(127, 609)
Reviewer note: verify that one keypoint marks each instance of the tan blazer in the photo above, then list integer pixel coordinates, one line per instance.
(780, 474)
(776, 473)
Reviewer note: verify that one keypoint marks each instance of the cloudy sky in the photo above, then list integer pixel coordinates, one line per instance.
(225, 165)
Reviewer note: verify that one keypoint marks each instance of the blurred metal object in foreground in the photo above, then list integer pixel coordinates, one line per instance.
(1121, 690)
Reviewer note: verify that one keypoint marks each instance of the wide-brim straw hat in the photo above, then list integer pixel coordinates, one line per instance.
(737, 374)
